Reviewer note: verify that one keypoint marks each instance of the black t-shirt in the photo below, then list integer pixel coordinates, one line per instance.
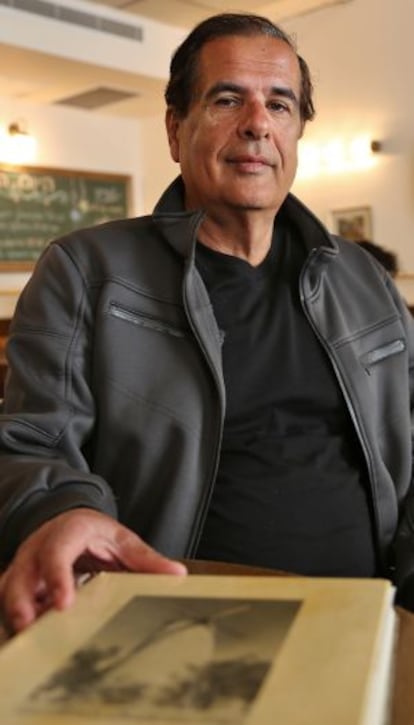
(291, 486)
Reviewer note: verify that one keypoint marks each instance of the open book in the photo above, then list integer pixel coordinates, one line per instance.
(214, 650)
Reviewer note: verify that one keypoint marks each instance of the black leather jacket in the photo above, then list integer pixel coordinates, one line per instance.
(115, 397)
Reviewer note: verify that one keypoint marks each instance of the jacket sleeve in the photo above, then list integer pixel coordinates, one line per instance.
(404, 539)
(49, 411)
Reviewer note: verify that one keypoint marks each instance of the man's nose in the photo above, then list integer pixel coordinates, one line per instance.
(254, 121)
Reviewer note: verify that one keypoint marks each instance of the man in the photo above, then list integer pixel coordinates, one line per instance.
(221, 379)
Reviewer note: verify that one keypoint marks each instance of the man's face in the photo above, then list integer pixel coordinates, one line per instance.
(237, 146)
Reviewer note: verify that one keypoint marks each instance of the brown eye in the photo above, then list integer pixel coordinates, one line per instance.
(226, 101)
(277, 106)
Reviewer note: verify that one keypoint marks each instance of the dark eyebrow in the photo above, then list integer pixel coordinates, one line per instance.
(221, 87)
(285, 93)
(227, 86)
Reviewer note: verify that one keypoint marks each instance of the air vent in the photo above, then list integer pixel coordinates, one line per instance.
(76, 17)
(96, 98)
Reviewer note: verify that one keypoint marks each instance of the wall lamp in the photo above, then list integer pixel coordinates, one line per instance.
(337, 156)
(17, 145)
(376, 146)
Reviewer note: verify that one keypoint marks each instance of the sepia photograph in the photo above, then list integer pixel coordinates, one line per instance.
(171, 659)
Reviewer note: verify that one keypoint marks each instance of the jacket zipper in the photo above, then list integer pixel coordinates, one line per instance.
(198, 524)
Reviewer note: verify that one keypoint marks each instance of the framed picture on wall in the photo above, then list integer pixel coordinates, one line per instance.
(354, 223)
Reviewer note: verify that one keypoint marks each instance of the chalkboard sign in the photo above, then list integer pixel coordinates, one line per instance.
(40, 204)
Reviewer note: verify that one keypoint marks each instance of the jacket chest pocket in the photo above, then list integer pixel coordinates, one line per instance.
(150, 364)
(146, 321)
(381, 353)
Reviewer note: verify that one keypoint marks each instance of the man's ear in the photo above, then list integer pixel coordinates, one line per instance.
(172, 125)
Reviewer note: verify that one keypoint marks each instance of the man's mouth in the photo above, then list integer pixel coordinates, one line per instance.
(250, 163)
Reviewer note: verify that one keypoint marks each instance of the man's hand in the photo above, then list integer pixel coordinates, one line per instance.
(43, 572)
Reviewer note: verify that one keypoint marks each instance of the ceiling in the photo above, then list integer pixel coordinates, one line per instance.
(186, 13)
(38, 77)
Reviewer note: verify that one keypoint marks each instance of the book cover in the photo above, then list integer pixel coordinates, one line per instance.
(212, 650)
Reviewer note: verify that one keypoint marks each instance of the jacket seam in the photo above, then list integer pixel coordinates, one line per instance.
(155, 406)
(29, 426)
(98, 282)
(68, 359)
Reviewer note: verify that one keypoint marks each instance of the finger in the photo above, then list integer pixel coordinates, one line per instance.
(136, 555)
(104, 543)
(57, 572)
(23, 596)
(66, 541)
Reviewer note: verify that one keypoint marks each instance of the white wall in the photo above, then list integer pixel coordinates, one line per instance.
(360, 54)
(160, 169)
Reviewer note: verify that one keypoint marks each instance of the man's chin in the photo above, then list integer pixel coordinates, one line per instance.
(256, 199)
(252, 204)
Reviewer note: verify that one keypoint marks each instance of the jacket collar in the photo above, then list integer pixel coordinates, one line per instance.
(308, 226)
(181, 226)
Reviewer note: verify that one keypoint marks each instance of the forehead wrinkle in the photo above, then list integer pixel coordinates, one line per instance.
(235, 58)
